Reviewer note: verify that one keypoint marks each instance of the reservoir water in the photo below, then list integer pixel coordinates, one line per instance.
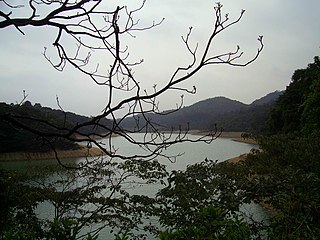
(220, 149)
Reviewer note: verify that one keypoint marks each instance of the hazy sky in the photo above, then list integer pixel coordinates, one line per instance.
(291, 30)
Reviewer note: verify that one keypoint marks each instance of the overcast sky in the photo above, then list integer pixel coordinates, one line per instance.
(291, 30)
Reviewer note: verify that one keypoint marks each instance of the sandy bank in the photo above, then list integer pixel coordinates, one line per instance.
(242, 157)
(235, 136)
(21, 156)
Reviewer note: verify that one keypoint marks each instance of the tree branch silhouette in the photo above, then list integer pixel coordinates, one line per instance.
(95, 29)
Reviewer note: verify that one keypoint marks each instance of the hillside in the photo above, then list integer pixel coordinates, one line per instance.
(250, 119)
(17, 139)
(270, 98)
(226, 114)
(230, 115)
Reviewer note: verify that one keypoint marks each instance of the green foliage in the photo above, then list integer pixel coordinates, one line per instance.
(61, 229)
(298, 108)
(203, 203)
(286, 176)
(211, 224)
(310, 118)
(17, 204)
(92, 197)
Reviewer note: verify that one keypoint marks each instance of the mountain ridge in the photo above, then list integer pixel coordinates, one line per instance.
(225, 113)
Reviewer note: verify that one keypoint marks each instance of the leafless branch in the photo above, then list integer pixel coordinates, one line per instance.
(93, 28)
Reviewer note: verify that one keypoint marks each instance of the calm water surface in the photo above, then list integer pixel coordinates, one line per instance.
(221, 149)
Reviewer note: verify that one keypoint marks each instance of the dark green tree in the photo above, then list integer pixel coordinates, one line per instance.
(285, 174)
(285, 177)
(298, 105)
(17, 208)
(203, 202)
(310, 118)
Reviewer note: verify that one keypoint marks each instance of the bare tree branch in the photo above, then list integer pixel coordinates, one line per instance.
(78, 20)
(94, 27)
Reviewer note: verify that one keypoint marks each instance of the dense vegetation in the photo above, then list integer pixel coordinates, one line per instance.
(298, 110)
(204, 201)
(44, 119)
(288, 167)
(284, 176)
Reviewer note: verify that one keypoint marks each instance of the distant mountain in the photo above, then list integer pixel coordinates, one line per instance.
(196, 116)
(268, 99)
(230, 115)
(250, 119)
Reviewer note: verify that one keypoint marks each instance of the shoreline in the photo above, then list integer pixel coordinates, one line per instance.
(95, 152)
(235, 136)
(241, 157)
(62, 154)
(263, 203)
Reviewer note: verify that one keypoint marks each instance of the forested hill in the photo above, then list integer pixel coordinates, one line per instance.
(222, 112)
(230, 115)
(14, 139)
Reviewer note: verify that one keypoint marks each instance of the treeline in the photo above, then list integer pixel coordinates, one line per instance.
(298, 110)
(285, 173)
(46, 121)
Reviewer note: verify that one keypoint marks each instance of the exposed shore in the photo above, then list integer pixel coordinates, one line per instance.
(22, 156)
(240, 158)
(235, 136)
